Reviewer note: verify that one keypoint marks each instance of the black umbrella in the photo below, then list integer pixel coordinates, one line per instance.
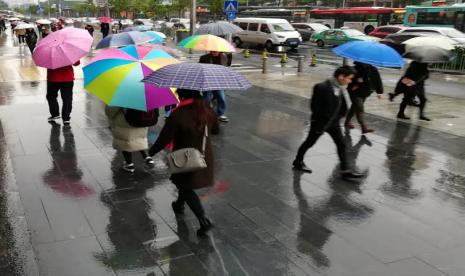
(429, 54)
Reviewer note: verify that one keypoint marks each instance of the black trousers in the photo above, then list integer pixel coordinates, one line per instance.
(409, 97)
(66, 91)
(190, 197)
(314, 134)
(128, 156)
(358, 109)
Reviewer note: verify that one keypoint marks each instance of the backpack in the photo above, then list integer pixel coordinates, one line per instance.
(138, 118)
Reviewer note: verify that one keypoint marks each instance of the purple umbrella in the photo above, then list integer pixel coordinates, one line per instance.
(123, 39)
(198, 76)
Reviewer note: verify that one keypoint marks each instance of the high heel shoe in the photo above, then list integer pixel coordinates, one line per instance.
(205, 226)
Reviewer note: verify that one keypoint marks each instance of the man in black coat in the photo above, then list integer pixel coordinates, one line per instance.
(328, 105)
(366, 80)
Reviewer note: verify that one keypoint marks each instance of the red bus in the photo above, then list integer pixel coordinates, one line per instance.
(365, 19)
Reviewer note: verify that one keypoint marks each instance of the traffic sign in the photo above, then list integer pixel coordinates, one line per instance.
(230, 16)
(230, 6)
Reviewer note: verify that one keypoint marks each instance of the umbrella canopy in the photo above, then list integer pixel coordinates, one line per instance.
(104, 19)
(162, 35)
(429, 54)
(436, 41)
(22, 26)
(373, 53)
(171, 51)
(115, 75)
(140, 28)
(62, 48)
(44, 22)
(207, 43)
(157, 39)
(218, 28)
(198, 76)
(123, 39)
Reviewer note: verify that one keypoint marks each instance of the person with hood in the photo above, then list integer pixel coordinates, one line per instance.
(412, 84)
(328, 105)
(185, 128)
(366, 80)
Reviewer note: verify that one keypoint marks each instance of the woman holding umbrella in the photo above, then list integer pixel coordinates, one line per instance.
(185, 128)
(412, 84)
(31, 39)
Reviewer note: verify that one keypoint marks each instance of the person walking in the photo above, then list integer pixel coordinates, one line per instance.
(128, 138)
(185, 127)
(219, 59)
(105, 29)
(60, 80)
(366, 80)
(31, 39)
(328, 105)
(412, 85)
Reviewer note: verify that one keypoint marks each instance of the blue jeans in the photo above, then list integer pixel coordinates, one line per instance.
(220, 99)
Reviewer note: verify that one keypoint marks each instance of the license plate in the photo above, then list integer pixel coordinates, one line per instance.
(293, 43)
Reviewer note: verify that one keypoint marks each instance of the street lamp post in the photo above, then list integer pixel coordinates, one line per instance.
(193, 17)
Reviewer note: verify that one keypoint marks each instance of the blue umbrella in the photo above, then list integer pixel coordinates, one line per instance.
(373, 53)
(157, 39)
(140, 28)
(198, 76)
(123, 39)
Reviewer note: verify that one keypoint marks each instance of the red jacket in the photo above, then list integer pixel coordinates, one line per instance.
(62, 74)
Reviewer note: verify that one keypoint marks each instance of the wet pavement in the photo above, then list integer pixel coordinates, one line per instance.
(85, 216)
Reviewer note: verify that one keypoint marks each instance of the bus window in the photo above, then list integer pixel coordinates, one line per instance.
(435, 18)
(460, 21)
(243, 25)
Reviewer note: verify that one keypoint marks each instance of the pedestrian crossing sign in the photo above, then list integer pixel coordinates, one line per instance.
(230, 6)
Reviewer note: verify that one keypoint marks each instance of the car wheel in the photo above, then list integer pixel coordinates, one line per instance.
(237, 41)
(269, 46)
(320, 43)
(369, 29)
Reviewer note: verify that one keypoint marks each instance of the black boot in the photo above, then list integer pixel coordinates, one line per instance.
(205, 226)
(177, 208)
(402, 116)
(300, 166)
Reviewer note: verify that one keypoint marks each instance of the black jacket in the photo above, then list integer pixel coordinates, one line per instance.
(221, 59)
(327, 108)
(370, 81)
(417, 72)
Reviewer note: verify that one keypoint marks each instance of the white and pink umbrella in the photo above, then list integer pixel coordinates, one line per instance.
(62, 48)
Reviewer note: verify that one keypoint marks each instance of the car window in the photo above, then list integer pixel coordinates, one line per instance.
(318, 27)
(340, 33)
(453, 33)
(264, 28)
(420, 31)
(243, 25)
(253, 27)
(282, 27)
(353, 32)
(330, 33)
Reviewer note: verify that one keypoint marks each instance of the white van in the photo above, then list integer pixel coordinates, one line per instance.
(268, 32)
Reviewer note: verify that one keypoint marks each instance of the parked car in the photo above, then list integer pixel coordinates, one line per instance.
(450, 32)
(339, 36)
(384, 31)
(306, 30)
(395, 40)
(267, 32)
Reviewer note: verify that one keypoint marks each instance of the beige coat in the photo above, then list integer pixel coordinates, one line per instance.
(125, 136)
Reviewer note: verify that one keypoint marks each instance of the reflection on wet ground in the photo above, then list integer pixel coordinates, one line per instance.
(87, 217)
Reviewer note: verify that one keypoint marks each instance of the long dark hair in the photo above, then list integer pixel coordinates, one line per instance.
(199, 105)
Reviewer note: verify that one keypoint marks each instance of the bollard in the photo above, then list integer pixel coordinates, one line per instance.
(264, 54)
(300, 66)
(264, 65)
(284, 58)
(246, 53)
(313, 60)
(345, 62)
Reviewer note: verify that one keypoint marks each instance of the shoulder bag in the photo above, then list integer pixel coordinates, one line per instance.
(188, 159)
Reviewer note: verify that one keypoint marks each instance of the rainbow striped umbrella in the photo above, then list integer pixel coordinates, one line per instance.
(207, 43)
(115, 76)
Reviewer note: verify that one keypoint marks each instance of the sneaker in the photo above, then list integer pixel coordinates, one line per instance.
(53, 118)
(128, 167)
(66, 123)
(391, 97)
(223, 119)
(149, 161)
(351, 175)
(402, 116)
(349, 125)
(367, 130)
(423, 118)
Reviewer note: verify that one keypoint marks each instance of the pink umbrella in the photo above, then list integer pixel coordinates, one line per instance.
(62, 48)
(104, 19)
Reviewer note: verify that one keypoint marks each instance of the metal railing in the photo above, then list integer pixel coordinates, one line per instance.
(457, 65)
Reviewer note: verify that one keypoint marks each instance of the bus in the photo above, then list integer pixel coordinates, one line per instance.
(291, 15)
(365, 19)
(447, 16)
